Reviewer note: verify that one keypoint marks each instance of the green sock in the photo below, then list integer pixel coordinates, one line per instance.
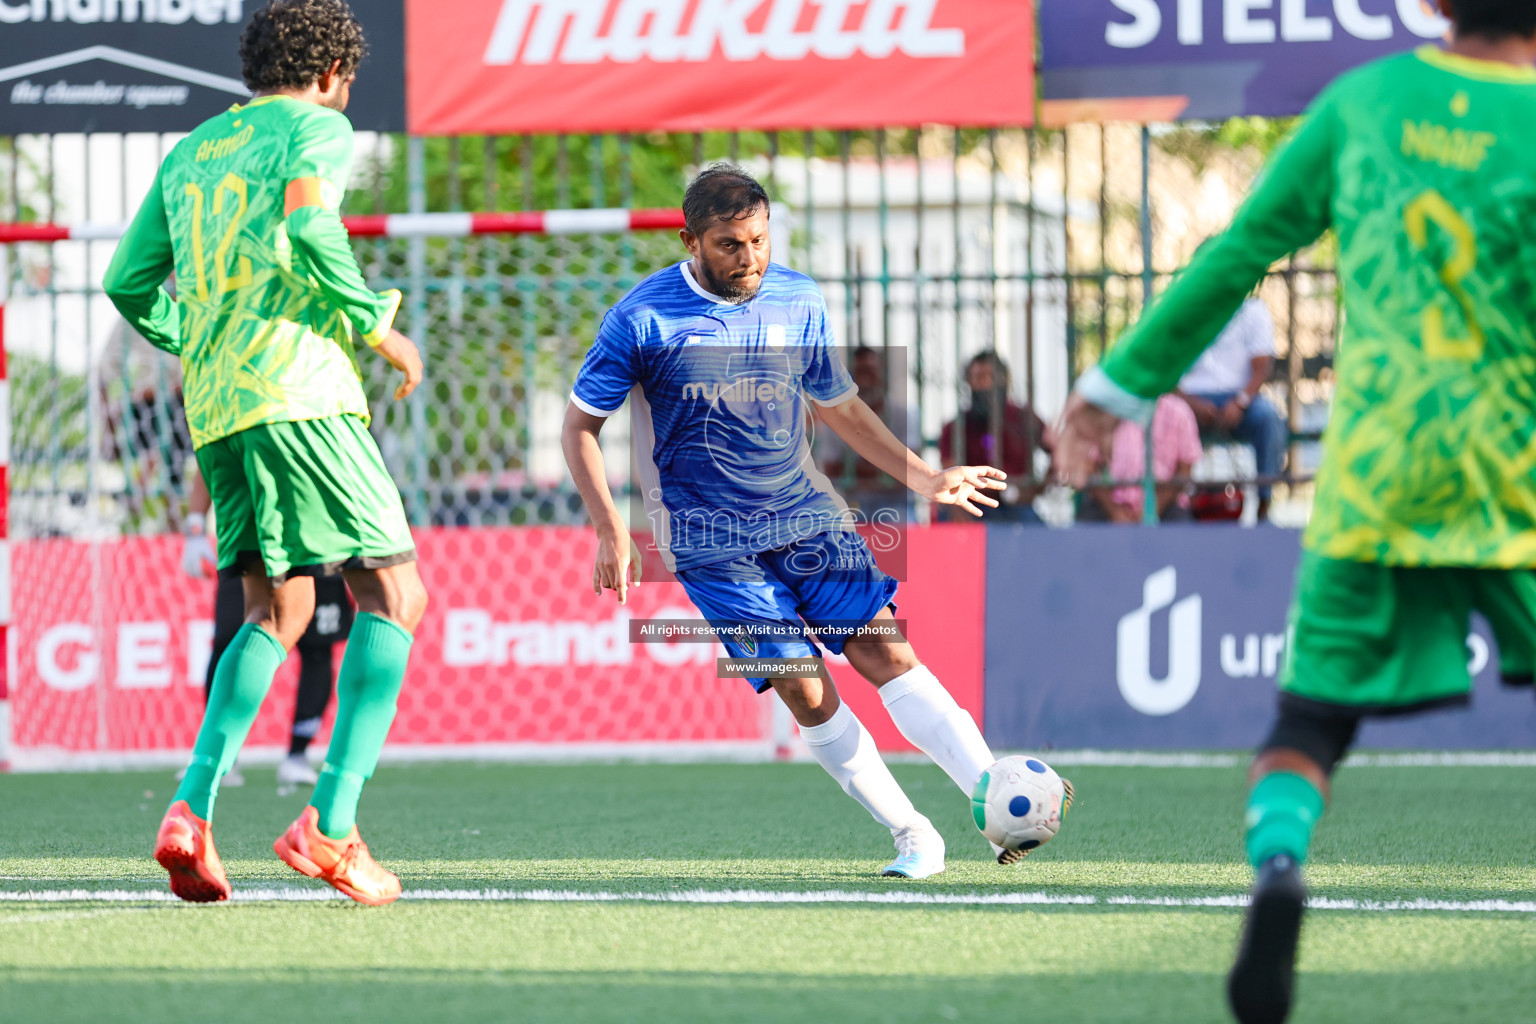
(1282, 812)
(371, 673)
(240, 684)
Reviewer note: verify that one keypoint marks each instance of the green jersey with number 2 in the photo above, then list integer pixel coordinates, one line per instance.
(268, 293)
(1425, 165)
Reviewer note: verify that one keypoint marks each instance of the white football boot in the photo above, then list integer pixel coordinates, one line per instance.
(295, 770)
(919, 851)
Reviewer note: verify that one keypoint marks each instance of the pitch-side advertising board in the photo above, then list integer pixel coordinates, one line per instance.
(111, 644)
(161, 65)
(1120, 638)
(690, 65)
(1220, 58)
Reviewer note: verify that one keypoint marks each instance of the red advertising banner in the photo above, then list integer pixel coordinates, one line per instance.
(504, 66)
(111, 644)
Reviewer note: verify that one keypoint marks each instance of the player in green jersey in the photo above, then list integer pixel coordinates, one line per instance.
(1425, 166)
(244, 210)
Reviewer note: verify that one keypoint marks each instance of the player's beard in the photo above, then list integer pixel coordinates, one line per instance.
(736, 290)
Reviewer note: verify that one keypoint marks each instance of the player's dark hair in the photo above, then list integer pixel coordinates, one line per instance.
(1494, 19)
(289, 44)
(722, 192)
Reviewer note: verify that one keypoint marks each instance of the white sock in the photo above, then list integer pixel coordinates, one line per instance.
(847, 751)
(932, 722)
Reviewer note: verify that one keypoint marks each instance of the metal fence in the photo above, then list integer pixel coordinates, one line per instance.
(1040, 244)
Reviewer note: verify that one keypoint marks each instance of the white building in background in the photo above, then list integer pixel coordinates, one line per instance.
(917, 225)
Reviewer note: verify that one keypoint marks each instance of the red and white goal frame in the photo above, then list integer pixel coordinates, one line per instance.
(408, 225)
(517, 659)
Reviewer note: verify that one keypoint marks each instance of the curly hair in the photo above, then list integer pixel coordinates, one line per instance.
(1495, 19)
(289, 44)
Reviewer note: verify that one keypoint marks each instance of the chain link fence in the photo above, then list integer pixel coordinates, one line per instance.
(1040, 245)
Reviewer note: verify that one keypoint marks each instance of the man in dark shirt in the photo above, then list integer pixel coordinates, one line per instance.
(998, 432)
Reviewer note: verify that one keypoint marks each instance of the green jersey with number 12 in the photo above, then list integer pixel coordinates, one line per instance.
(1425, 165)
(268, 293)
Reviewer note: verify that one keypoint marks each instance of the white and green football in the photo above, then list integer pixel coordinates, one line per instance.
(1018, 802)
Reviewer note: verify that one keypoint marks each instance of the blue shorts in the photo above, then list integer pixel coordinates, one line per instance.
(760, 605)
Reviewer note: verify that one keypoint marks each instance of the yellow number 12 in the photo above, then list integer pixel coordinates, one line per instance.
(235, 186)
(1429, 207)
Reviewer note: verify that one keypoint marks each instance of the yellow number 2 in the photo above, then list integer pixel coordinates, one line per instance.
(1429, 207)
(243, 274)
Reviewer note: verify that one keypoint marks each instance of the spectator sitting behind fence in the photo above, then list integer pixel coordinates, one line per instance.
(1223, 390)
(1175, 450)
(991, 415)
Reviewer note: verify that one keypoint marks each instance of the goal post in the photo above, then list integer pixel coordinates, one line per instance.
(108, 651)
(405, 225)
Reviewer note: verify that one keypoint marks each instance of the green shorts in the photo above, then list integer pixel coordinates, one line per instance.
(304, 498)
(1383, 639)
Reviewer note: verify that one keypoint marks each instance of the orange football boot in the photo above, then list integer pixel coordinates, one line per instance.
(184, 847)
(345, 864)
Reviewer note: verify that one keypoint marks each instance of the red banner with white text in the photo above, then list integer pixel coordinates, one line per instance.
(504, 66)
(516, 653)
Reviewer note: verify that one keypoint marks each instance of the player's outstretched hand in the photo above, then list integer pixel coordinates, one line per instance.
(1080, 441)
(400, 352)
(615, 569)
(964, 487)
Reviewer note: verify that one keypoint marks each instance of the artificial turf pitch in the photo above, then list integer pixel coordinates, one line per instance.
(780, 832)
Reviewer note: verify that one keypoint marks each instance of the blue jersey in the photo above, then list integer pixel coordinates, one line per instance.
(720, 396)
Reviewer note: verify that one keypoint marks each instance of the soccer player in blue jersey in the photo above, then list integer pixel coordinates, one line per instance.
(719, 354)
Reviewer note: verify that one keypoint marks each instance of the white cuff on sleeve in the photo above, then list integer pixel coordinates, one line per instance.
(1097, 387)
(592, 410)
(846, 396)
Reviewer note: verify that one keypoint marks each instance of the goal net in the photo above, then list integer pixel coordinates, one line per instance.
(109, 639)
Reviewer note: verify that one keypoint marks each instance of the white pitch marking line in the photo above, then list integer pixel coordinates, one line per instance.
(49, 917)
(1175, 759)
(755, 896)
(1467, 759)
